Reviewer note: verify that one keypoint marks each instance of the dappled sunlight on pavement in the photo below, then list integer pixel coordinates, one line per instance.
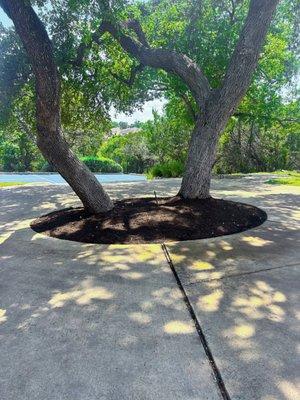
(268, 246)
(244, 289)
(82, 294)
(89, 321)
(96, 320)
(3, 317)
(179, 327)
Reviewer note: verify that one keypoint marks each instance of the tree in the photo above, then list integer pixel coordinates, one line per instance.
(50, 139)
(131, 151)
(123, 125)
(214, 105)
(206, 32)
(168, 135)
(254, 142)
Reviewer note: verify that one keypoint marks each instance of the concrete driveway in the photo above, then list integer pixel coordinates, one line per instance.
(80, 321)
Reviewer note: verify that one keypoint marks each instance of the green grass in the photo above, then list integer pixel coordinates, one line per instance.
(5, 184)
(293, 181)
(290, 178)
(169, 169)
(278, 172)
(294, 174)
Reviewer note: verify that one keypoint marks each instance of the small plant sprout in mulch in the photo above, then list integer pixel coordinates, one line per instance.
(151, 220)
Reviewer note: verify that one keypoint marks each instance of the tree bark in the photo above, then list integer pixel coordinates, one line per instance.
(201, 157)
(175, 63)
(196, 180)
(221, 103)
(50, 139)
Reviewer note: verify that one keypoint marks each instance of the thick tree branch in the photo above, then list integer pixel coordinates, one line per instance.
(189, 106)
(39, 49)
(245, 56)
(178, 64)
(133, 73)
(136, 27)
(83, 47)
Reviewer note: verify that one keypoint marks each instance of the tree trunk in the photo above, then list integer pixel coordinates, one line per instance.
(221, 103)
(201, 157)
(50, 139)
(214, 105)
(56, 150)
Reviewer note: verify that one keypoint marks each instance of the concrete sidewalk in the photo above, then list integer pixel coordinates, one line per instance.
(80, 321)
(245, 292)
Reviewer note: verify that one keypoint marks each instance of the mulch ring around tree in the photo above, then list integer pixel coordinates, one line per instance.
(147, 220)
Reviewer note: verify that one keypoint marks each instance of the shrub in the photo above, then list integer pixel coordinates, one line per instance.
(170, 169)
(10, 157)
(101, 164)
(48, 167)
(95, 164)
(37, 165)
(130, 151)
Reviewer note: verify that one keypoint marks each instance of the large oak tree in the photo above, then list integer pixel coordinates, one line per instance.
(50, 139)
(214, 105)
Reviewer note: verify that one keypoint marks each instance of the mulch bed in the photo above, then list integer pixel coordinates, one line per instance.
(147, 220)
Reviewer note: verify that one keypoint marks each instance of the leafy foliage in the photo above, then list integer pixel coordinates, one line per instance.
(290, 178)
(102, 164)
(169, 169)
(263, 134)
(131, 151)
(255, 144)
(95, 164)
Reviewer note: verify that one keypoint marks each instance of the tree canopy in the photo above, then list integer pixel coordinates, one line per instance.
(97, 74)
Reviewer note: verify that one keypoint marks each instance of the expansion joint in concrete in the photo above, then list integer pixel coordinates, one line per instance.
(215, 369)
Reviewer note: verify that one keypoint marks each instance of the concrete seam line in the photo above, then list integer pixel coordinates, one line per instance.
(215, 369)
(242, 274)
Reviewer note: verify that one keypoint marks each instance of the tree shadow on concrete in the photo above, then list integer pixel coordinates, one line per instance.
(244, 289)
(89, 321)
(83, 321)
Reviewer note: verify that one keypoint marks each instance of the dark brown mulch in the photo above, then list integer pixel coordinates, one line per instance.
(143, 220)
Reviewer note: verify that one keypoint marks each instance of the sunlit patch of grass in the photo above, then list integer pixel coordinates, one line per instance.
(293, 181)
(282, 173)
(5, 184)
(293, 173)
(285, 178)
